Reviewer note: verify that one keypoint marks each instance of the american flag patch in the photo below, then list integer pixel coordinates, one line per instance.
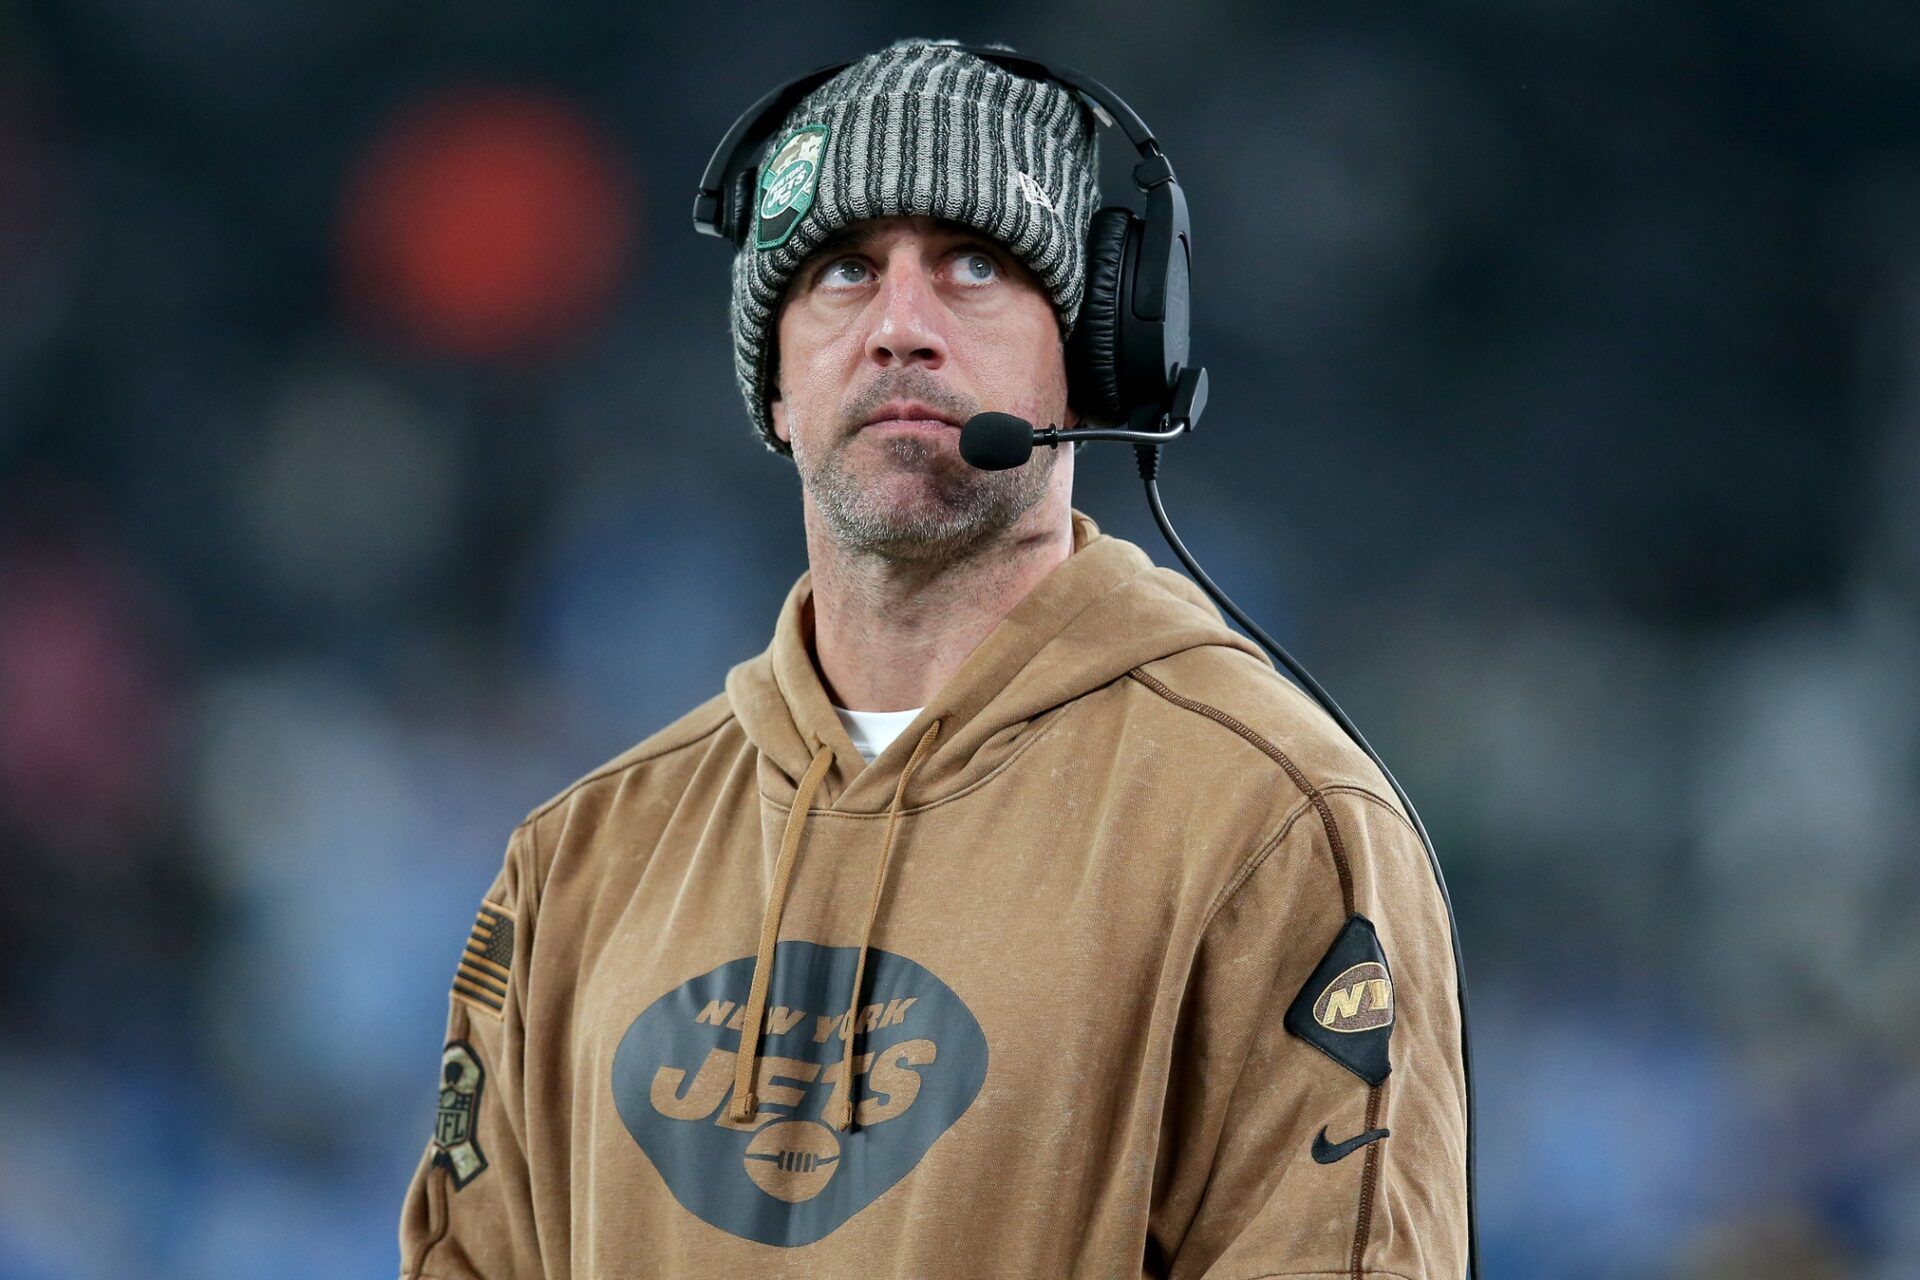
(487, 962)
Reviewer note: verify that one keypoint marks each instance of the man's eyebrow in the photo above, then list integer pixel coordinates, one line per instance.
(837, 243)
(971, 238)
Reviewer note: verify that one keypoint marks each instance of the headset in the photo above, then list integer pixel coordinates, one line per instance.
(1127, 361)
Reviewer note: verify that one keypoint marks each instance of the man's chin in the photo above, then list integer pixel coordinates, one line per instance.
(919, 515)
(936, 480)
(917, 498)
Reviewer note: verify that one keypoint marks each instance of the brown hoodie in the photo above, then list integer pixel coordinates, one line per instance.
(1146, 975)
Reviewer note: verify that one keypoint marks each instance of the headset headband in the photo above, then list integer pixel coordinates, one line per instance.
(716, 215)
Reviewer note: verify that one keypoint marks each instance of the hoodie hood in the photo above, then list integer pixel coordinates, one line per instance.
(1104, 611)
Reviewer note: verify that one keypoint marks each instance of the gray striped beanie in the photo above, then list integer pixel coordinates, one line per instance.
(917, 128)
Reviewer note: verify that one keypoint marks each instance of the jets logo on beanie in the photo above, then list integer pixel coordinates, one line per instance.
(917, 128)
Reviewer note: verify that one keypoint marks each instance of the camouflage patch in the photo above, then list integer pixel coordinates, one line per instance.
(787, 185)
(456, 1140)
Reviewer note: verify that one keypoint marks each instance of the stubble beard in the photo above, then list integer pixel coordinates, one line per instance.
(923, 503)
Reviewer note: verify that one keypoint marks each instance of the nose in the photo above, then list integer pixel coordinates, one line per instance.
(907, 315)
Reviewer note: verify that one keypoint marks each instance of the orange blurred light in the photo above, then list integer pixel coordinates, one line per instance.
(485, 223)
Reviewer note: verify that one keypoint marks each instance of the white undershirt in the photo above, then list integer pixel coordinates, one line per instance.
(871, 731)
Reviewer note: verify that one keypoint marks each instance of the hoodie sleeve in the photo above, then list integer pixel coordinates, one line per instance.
(1316, 1120)
(469, 1210)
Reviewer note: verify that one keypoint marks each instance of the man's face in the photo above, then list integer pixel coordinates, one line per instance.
(891, 336)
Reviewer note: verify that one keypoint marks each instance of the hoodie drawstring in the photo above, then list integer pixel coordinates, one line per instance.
(744, 1101)
(840, 1110)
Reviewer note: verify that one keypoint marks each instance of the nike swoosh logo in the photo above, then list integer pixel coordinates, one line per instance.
(1327, 1152)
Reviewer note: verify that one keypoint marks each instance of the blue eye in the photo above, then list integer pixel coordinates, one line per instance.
(845, 271)
(976, 268)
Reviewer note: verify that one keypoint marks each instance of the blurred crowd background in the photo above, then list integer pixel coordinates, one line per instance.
(371, 466)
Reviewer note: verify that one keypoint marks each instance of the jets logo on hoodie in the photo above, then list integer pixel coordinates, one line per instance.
(786, 1176)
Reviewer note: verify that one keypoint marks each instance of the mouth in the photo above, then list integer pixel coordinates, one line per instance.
(910, 415)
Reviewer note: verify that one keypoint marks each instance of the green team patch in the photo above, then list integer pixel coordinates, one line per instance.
(456, 1142)
(787, 184)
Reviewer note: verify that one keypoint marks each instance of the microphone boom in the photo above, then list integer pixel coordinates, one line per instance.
(996, 441)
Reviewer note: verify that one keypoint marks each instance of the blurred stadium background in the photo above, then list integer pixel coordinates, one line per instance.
(371, 465)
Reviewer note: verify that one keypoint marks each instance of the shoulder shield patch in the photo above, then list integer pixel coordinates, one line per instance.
(456, 1138)
(1346, 1008)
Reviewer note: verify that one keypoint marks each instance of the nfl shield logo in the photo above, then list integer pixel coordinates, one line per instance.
(456, 1118)
(456, 1146)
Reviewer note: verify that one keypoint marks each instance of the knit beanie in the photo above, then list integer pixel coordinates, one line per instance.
(917, 128)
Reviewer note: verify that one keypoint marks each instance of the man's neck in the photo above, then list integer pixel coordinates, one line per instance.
(888, 634)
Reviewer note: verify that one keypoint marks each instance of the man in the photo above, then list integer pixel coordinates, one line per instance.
(1010, 915)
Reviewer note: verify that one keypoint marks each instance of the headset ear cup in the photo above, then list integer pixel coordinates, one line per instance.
(1093, 349)
(740, 210)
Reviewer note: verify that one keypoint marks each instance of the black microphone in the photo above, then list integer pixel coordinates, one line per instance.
(996, 441)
